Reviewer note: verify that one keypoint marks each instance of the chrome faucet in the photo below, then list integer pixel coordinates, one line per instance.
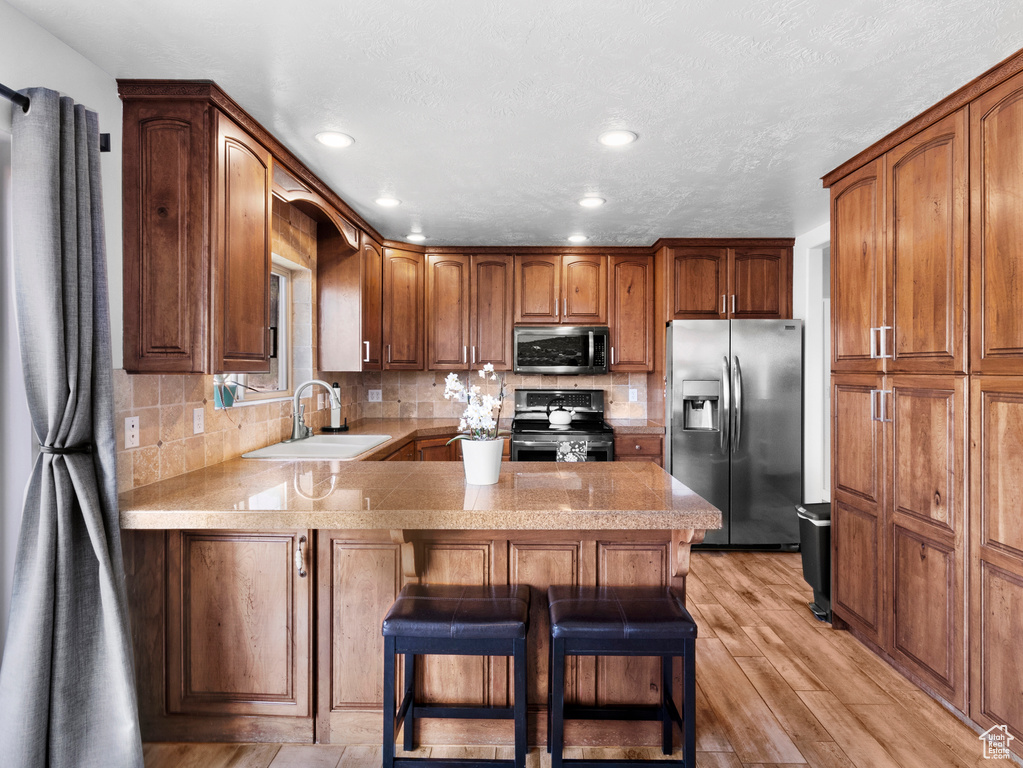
(299, 430)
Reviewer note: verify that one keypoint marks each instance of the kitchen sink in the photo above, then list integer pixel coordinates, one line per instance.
(320, 447)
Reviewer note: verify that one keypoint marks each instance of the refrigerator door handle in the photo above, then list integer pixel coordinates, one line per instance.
(726, 404)
(737, 413)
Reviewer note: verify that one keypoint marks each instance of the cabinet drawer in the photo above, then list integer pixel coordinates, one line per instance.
(637, 445)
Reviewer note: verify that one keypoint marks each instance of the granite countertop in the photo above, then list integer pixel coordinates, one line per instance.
(261, 494)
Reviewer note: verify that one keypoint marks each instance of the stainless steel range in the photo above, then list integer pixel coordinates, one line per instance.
(535, 433)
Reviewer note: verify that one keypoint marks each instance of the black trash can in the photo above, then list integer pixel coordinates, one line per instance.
(815, 543)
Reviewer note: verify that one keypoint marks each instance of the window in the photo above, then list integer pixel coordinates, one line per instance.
(278, 382)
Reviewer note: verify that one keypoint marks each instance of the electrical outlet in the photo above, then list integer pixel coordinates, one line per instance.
(198, 421)
(633, 395)
(131, 432)
(374, 395)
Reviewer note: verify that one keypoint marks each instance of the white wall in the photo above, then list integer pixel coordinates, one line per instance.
(809, 303)
(32, 57)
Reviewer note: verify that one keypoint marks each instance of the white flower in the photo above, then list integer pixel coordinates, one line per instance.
(482, 410)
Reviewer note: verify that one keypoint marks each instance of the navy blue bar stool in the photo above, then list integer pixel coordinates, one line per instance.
(622, 621)
(460, 621)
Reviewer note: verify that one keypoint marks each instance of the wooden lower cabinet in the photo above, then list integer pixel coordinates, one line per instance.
(222, 626)
(996, 550)
(640, 448)
(223, 630)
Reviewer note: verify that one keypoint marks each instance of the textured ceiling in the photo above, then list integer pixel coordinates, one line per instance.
(482, 116)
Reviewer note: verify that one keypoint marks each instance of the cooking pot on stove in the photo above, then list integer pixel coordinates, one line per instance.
(559, 417)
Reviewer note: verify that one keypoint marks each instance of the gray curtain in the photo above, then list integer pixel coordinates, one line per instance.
(67, 684)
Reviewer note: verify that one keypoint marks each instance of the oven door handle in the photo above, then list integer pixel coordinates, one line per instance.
(554, 443)
(590, 334)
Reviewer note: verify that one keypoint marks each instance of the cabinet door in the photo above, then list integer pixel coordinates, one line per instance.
(165, 291)
(238, 632)
(584, 289)
(403, 310)
(632, 313)
(436, 449)
(857, 269)
(338, 302)
(926, 253)
(996, 549)
(372, 305)
(241, 262)
(996, 229)
(760, 283)
(925, 512)
(857, 528)
(491, 291)
(447, 312)
(699, 283)
(538, 289)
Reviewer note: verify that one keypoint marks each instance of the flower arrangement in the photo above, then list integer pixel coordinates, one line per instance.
(482, 410)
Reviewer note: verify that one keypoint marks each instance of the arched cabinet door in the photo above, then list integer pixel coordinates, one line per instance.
(699, 283)
(403, 310)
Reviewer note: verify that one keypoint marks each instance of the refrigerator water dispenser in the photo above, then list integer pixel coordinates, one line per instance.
(700, 405)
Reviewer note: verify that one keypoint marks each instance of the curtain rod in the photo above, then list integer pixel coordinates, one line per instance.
(24, 102)
(17, 98)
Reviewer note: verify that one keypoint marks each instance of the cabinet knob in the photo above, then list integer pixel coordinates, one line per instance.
(638, 448)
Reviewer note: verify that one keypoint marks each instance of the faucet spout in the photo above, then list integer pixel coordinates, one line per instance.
(299, 430)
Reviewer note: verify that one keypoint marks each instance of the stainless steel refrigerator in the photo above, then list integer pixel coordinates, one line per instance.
(735, 426)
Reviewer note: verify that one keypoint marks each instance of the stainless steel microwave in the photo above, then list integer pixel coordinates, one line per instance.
(561, 349)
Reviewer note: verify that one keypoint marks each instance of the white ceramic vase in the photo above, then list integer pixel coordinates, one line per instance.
(482, 460)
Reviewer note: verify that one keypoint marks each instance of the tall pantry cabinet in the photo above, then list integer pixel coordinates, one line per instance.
(927, 397)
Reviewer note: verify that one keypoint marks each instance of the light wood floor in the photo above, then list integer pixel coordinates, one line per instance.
(775, 687)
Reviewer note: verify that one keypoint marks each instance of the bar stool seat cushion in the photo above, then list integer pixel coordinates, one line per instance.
(618, 613)
(460, 612)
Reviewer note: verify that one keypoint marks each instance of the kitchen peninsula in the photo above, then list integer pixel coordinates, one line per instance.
(257, 588)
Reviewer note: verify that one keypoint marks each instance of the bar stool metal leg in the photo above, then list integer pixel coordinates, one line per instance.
(556, 735)
(409, 725)
(666, 696)
(521, 704)
(689, 692)
(389, 705)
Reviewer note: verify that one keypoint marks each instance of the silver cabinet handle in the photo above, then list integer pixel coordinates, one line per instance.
(883, 354)
(465, 353)
(366, 358)
(726, 404)
(733, 303)
(300, 558)
(723, 310)
(474, 354)
(884, 410)
(556, 308)
(737, 416)
(388, 353)
(873, 408)
(873, 349)
(612, 355)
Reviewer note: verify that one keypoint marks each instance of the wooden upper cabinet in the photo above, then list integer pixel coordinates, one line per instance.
(538, 289)
(584, 289)
(857, 269)
(372, 266)
(241, 257)
(165, 267)
(348, 300)
(195, 183)
(996, 224)
(722, 282)
(698, 283)
(403, 295)
(239, 635)
(492, 284)
(760, 283)
(569, 288)
(447, 312)
(632, 313)
(927, 192)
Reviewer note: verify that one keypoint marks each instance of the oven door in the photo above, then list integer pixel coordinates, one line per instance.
(529, 449)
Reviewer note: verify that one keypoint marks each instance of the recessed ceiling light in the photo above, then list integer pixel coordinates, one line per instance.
(592, 202)
(335, 139)
(577, 238)
(616, 138)
(388, 202)
(416, 237)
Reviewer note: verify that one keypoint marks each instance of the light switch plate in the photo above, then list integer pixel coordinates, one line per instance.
(633, 395)
(374, 395)
(198, 421)
(131, 432)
